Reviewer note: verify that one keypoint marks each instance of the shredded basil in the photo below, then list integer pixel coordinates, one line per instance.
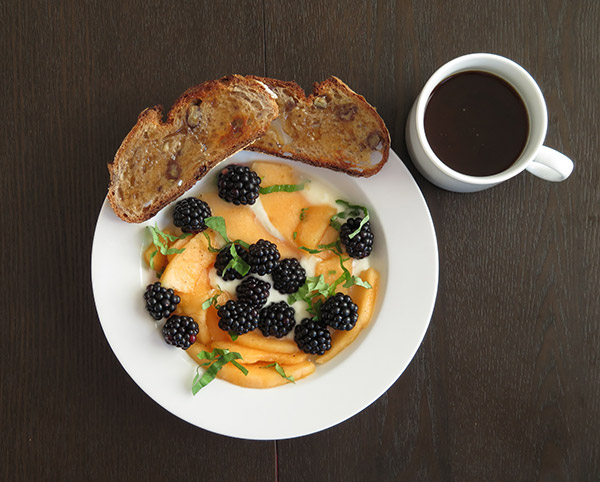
(218, 358)
(279, 369)
(217, 223)
(349, 211)
(212, 301)
(282, 188)
(160, 240)
(237, 262)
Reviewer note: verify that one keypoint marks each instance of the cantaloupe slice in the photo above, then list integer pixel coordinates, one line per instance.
(186, 268)
(312, 226)
(196, 348)
(365, 299)
(191, 305)
(259, 376)
(160, 260)
(179, 244)
(252, 355)
(212, 324)
(241, 223)
(256, 340)
(331, 270)
(283, 208)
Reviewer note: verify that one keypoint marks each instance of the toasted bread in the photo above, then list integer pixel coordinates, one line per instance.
(158, 161)
(334, 127)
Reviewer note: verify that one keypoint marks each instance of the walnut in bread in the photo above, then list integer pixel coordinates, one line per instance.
(334, 127)
(158, 161)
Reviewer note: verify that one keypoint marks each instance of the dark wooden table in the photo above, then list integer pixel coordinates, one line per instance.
(505, 386)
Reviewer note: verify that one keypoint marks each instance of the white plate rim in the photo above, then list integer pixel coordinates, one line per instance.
(337, 390)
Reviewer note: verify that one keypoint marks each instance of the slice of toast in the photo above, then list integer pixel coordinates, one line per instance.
(334, 127)
(158, 161)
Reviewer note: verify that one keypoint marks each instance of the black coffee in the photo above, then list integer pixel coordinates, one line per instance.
(476, 123)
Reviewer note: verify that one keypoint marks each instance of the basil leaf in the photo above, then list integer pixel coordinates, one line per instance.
(350, 210)
(221, 358)
(243, 244)
(358, 281)
(210, 247)
(234, 336)
(154, 253)
(241, 368)
(360, 226)
(237, 262)
(161, 244)
(311, 251)
(281, 371)
(281, 188)
(217, 223)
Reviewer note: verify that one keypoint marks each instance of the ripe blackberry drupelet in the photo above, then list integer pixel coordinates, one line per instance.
(276, 320)
(339, 312)
(361, 245)
(190, 213)
(160, 302)
(223, 259)
(238, 185)
(254, 290)
(263, 257)
(288, 276)
(180, 331)
(312, 337)
(238, 317)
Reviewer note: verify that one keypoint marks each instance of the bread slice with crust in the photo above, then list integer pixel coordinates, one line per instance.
(334, 127)
(158, 161)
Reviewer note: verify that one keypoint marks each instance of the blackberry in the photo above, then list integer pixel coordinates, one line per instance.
(361, 245)
(180, 331)
(223, 259)
(276, 320)
(263, 256)
(339, 312)
(238, 317)
(254, 290)
(288, 276)
(190, 213)
(160, 302)
(312, 337)
(238, 185)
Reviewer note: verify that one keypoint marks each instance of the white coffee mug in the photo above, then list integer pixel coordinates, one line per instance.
(536, 158)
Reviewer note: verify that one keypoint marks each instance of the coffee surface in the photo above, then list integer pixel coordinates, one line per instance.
(476, 123)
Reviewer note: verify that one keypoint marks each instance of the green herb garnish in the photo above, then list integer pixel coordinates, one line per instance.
(281, 371)
(212, 301)
(160, 240)
(210, 246)
(217, 359)
(315, 288)
(294, 234)
(237, 262)
(303, 214)
(233, 335)
(311, 292)
(217, 223)
(349, 211)
(282, 188)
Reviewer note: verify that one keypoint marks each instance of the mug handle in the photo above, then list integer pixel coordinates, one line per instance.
(551, 165)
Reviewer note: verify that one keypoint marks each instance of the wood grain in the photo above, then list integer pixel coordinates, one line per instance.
(506, 383)
(74, 79)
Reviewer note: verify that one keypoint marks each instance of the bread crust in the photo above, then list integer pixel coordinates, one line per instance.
(334, 154)
(254, 123)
